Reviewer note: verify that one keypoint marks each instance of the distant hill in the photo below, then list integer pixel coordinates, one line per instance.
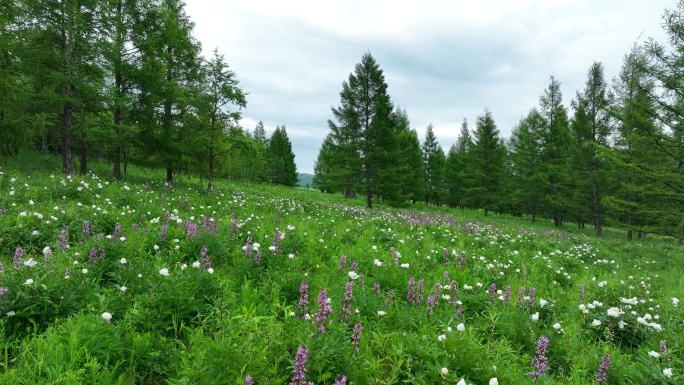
(304, 179)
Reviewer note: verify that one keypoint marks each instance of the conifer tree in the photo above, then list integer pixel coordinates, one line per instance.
(527, 164)
(435, 160)
(365, 135)
(487, 163)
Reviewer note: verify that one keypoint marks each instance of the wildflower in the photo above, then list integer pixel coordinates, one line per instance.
(615, 312)
(356, 336)
(343, 263)
(404, 265)
(107, 317)
(28, 282)
(123, 261)
(494, 381)
(460, 327)
(581, 290)
(123, 288)
(462, 382)
(675, 302)
(543, 302)
(654, 354)
(667, 372)
(444, 371)
(18, 257)
(595, 322)
(249, 380)
(84, 271)
(164, 272)
(540, 362)
(663, 347)
(63, 236)
(441, 337)
(557, 326)
(341, 380)
(381, 312)
(304, 297)
(535, 317)
(353, 275)
(299, 375)
(30, 263)
(377, 262)
(602, 376)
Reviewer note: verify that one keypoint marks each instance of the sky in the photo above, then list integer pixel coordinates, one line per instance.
(443, 60)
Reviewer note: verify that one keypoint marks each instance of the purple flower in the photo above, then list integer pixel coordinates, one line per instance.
(395, 254)
(18, 257)
(354, 265)
(602, 375)
(191, 230)
(249, 380)
(663, 350)
(540, 362)
(492, 292)
(341, 380)
(507, 294)
(92, 256)
(411, 297)
(165, 223)
(248, 246)
(304, 298)
(2, 267)
(521, 296)
(257, 257)
(376, 288)
(324, 310)
(47, 253)
(532, 293)
(343, 262)
(205, 261)
(459, 312)
(432, 298)
(117, 231)
(86, 229)
(299, 375)
(233, 227)
(419, 291)
(390, 297)
(346, 304)
(356, 336)
(276, 242)
(209, 226)
(63, 237)
(581, 290)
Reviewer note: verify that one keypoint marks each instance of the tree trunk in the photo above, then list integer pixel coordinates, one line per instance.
(83, 153)
(67, 119)
(210, 182)
(629, 235)
(169, 175)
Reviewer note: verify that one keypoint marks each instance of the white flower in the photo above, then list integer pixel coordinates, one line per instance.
(307, 316)
(441, 337)
(28, 282)
(272, 248)
(462, 382)
(381, 313)
(210, 270)
(196, 264)
(352, 275)
(675, 302)
(535, 317)
(615, 312)
(667, 372)
(444, 371)
(292, 314)
(622, 324)
(34, 233)
(654, 354)
(156, 247)
(107, 317)
(123, 288)
(543, 302)
(405, 265)
(123, 261)
(30, 262)
(460, 327)
(184, 266)
(375, 248)
(629, 301)
(122, 239)
(494, 381)
(291, 256)
(595, 323)
(377, 262)
(84, 271)
(557, 326)
(164, 272)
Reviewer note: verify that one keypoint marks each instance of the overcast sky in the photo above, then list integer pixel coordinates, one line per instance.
(443, 60)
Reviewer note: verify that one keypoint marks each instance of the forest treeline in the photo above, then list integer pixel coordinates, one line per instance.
(126, 81)
(613, 156)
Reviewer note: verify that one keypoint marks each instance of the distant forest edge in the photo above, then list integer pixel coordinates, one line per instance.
(127, 82)
(305, 180)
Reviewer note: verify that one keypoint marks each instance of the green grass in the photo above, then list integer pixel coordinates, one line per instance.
(245, 318)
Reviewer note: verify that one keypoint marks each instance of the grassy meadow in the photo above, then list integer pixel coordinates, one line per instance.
(126, 282)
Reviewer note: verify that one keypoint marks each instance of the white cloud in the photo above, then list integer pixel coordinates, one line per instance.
(443, 60)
